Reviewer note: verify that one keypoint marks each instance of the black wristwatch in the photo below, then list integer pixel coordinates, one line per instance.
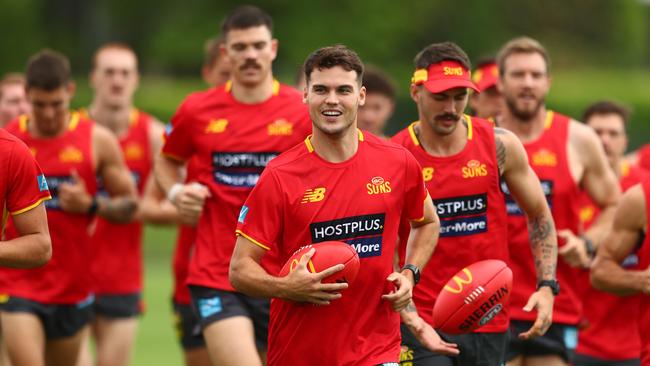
(94, 206)
(416, 272)
(553, 284)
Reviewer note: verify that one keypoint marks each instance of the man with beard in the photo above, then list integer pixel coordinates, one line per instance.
(327, 184)
(463, 160)
(566, 156)
(231, 132)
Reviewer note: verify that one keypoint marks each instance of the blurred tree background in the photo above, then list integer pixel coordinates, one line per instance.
(599, 48)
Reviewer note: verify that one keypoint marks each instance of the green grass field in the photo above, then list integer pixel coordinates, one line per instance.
(156, 342)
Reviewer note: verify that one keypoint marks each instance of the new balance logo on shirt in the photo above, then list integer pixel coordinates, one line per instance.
(313, 195)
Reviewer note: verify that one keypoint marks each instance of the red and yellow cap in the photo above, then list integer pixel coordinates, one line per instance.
(443, 76)
(486, 76)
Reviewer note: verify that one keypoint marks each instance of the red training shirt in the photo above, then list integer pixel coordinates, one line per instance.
(469, 202)
(232, 143)
(548, 158)
(22, 183)
(65, 278)
(608, 316)
(302, 199)
(117, 257)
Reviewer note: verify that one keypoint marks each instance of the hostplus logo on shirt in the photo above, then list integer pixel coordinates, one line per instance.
(363, 233)
(239, 169)
(464, 215)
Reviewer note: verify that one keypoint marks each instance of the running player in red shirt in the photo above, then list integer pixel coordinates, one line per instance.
(117, 253)
(47, 309)
(216, 71)
(628, 237)
(607, 317)
(13, 101)
(380, 102)
(314, 192)
(232, 131)
(566, 156)
(463, 161)
(486, 102)
(23, 189)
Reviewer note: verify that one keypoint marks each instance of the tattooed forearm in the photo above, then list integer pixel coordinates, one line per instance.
(543, 244)
(118, 210)
(410, 308)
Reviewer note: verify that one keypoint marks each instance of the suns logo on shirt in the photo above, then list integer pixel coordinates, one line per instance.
(378, 185)
(427, 173)
(133, 151)
(216, 126)
(474, 169)
(313, 195)
(71, 155)
(280, 127)
(544, 157)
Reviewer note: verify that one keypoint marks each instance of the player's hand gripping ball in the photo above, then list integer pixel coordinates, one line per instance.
(327, 254)
(473, 297)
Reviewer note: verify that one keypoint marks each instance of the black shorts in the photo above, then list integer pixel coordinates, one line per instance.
(188, 329)
(560, 340)
(118, 306)
(584, 360)
(59, 321)
(212, 305)
(482, 349)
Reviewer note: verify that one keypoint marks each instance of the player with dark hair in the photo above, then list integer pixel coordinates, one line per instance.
(607, 316)
(216, 68)
(628, 238)
(463, 161)
(13, 101)
(231, 132)
(567, 157)
(310, 194)
(486, 102)
(48, 309)
(117, 253)
(380, 102)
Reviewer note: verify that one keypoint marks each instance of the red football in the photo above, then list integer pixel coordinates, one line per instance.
(473, 297)
(328, 254)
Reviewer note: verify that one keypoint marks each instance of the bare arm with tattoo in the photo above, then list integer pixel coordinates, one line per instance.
(424, 333)
(122, 204)
(527, 192)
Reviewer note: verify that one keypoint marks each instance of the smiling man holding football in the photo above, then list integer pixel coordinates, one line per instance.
(464, 159)
(340, 184)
